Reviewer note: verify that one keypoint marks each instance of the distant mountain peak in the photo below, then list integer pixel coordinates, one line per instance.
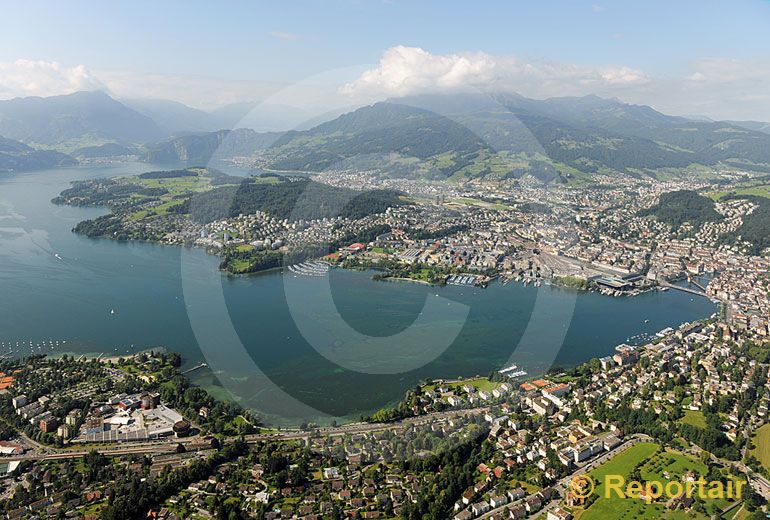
(87, 114)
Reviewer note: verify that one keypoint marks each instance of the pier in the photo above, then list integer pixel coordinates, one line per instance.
(196, 367)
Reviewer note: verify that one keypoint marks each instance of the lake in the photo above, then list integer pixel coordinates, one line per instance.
(293, 348)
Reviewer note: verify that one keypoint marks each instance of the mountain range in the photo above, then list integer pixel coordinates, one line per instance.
(456, 136)
(504, 136)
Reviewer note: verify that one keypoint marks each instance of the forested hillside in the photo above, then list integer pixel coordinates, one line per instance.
(677, 207)
(16, 157)
(294, 200)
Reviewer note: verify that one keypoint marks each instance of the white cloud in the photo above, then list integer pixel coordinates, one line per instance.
(725, 71)
(622, 76)
(43, 78)
(25, 77)
(727, 89)
(285, 36)
(410, 70)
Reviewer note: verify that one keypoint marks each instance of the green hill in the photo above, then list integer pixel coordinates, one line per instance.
(677, 207)
(293, 200)
(379, 130)
(16, 157)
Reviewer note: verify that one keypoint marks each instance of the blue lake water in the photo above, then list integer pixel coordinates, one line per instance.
(294, 348)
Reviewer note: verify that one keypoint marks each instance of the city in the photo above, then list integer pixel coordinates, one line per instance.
(385, 260)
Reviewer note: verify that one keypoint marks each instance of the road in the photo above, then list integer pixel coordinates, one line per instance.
(168, 446)
(758, 483)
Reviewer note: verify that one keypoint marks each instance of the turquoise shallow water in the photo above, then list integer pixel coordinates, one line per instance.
(55, 285)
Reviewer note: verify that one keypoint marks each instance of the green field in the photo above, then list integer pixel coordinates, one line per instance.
(657, 465)
(630, 509)
(481, 383)
(694, 418)
(760, 190)
(671, 465)
(624, 463)
(761, 448)
(239, 266)
(481, 203)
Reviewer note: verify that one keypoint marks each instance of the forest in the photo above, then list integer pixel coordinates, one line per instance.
(677, 207)
(293, 200)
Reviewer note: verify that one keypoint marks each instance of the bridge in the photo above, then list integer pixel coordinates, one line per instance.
(685, 289)
(695, 283)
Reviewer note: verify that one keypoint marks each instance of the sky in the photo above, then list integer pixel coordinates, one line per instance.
(684, 57)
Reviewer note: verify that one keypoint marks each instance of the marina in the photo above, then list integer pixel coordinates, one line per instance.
(513, 372)
(457, 279)
(29, 347)
(310, 269)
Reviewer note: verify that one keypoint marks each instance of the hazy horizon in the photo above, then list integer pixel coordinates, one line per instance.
(704, 59)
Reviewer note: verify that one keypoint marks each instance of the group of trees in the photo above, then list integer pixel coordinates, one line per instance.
(455, 471)
(169, 174)
(394, 413)
(291, 199)
(238, 260)
(571, 282)
(677, 207)
(177, 392)
(710, 439)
